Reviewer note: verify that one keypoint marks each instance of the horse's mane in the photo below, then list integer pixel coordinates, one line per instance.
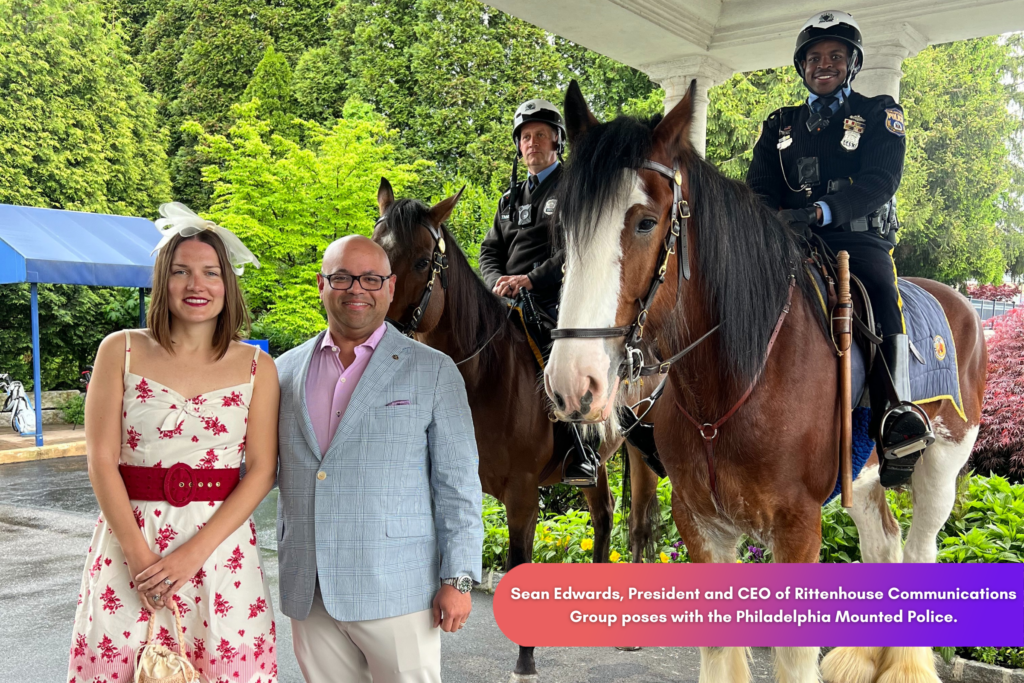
(475, 312)
(744, 255)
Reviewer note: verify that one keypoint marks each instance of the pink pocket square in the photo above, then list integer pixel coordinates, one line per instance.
(397, 403)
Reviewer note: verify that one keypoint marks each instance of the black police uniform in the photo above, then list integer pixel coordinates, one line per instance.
(854, 164)
(520, 241)
(781, 170)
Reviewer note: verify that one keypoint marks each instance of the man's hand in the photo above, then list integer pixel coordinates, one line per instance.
(509, 285)
(798, 219)
(451, 608)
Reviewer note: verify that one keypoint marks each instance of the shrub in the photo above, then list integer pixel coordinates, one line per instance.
(993, 292)
(1000, 445)
(72, 409)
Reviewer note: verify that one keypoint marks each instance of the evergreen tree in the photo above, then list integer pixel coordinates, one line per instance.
(77, 129)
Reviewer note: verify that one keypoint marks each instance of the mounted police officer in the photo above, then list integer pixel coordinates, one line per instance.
(832, 165)
(517, 257)
(517, 252)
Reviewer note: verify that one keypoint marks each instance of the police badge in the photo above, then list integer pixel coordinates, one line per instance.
(854, 127)
(549, 206)
(525, 213)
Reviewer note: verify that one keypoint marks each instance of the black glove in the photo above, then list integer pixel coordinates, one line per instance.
(799, 219)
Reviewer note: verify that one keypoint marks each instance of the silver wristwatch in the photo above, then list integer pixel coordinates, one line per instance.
(463, 584)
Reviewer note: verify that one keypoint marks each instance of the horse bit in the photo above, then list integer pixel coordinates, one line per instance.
(632, 367)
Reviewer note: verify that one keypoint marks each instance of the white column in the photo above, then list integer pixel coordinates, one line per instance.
(883, 59)
(675, 77)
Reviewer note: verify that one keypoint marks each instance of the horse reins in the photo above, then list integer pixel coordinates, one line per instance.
(438, 266)
(709, 431)
(633, 368)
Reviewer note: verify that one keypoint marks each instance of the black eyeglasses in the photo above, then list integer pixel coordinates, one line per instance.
(343, 281)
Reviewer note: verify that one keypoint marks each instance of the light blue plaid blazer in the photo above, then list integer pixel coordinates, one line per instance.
(399, 506)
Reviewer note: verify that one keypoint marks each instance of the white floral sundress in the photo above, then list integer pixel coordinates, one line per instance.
(227, 616)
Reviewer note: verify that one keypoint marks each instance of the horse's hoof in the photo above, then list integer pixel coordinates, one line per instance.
(524, 678)
(849, 665)
(628, 648)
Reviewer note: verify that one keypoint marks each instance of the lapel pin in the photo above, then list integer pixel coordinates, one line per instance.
(395, 356)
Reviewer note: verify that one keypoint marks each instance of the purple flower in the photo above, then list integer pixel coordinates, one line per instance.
(675, 556)
(677, 544)
(755, 552)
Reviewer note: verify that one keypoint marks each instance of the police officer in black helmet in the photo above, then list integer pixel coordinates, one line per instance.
(832, 165)
(518, 256)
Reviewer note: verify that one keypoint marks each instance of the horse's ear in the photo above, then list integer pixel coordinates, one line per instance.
(673, 132)
(440, 212)
(578, 117)
(385, 196)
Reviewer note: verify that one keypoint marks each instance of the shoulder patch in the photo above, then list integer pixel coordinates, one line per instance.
(894, 122)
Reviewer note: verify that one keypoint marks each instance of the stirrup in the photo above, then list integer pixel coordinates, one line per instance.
(907, 447)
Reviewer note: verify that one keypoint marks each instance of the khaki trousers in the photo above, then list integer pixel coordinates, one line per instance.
(404, 649)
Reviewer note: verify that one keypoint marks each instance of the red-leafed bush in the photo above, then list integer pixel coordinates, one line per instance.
(1000, 445)
(993, 292)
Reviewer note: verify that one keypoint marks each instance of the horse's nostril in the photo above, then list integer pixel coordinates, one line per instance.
(559, 401)
(585, 402)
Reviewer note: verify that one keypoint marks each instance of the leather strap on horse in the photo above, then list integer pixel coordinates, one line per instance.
(709, 431)
(438, 266)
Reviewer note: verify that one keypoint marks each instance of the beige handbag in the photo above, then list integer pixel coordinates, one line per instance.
(159, 664)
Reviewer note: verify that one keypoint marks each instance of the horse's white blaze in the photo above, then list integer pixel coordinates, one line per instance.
(933, 487)
(590, 298)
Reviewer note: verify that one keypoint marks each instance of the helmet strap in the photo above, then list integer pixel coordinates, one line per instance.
(512, 189)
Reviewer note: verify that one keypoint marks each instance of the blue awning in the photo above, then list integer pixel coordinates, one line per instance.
(73, 248)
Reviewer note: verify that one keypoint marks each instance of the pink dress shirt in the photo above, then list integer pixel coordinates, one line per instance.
(329, 384)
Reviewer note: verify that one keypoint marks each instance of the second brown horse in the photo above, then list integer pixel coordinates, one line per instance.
(515, 437)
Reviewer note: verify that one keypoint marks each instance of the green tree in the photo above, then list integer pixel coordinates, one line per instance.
(271, 84)
(199, 56)
(287, 201)
(77, 129)
(72, 323)
(958, 166)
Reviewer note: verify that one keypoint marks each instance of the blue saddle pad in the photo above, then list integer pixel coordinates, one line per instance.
(938, 377)
(935, 379)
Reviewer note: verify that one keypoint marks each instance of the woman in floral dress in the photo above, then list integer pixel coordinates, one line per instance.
(170, 412)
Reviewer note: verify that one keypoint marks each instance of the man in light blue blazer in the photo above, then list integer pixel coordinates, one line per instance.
(379, 526)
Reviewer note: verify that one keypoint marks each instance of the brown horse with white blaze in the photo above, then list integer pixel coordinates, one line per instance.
(515, 437)
(763, 383)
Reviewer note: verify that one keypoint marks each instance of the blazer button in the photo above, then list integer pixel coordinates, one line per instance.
(321, 475)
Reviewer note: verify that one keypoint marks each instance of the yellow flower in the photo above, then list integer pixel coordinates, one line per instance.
(587, 544)
(615, 556)
(664, 558)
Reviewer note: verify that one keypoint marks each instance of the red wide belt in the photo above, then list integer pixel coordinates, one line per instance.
(179, 484)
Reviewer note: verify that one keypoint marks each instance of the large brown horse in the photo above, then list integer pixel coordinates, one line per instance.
(515, 437)
(775, 460)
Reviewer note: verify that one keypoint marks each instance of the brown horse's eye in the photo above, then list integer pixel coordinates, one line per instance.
(646, 225)
(422, 264)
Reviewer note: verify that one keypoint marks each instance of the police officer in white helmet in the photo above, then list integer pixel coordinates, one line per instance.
(517, 257)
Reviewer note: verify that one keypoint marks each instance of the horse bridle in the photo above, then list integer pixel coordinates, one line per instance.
(633, 368)
(438, 266)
